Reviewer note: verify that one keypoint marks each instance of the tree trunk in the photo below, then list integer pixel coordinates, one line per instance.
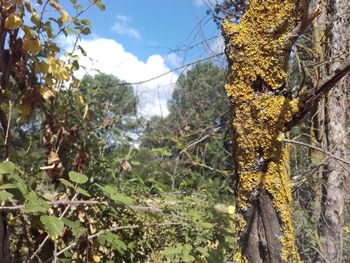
(258, 50)
(4, 252)
(335, 108)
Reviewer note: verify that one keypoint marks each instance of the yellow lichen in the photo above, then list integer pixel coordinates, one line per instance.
(257, 51)
(238, 258)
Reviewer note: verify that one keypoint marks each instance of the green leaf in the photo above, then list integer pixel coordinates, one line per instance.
(66, 183)
(78, 177)
(203, 251)
(86, 21)
(21, 184)
(186, 249)
(206, 225)
(35, 204)
(7, 167)
(169, 251)
(188, 258)
(82, 51)
(85, 31)
(100, 5)
(112, 191)
(82, 191)
(109, 238)
(8, 186)
(53, 225)
(70, 31)
(122, 198)
(77, 229)
(5, 195)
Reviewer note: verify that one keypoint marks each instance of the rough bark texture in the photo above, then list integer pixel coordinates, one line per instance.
(4, 253)
(258, 50)
(334, 111)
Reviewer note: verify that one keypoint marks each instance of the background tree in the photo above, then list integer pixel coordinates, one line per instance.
(331, 35)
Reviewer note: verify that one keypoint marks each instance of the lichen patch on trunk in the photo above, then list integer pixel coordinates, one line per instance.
(258, 50)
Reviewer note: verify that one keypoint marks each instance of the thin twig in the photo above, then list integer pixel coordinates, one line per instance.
(314, 94)
(318, 149)
(8, 124)
(170, 71)
(111, 230)
(47, 237)
(85, 202)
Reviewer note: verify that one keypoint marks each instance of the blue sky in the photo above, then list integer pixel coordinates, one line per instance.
(140, 39)
(154, 25)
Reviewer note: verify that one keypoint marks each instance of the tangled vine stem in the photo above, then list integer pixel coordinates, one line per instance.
(112, 229)
(86, 202)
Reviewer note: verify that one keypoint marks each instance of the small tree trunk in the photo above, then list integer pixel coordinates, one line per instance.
(334, 108)
(4, 248)
(258, 50)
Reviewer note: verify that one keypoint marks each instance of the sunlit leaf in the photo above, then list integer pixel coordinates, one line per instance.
(109, 238)
(76, 227)
(66, 183)
(82, 191)
(35, 204)
(7, 167)
(78, 178)
(100, 5)
(5, 195)
(53, 225)
(13, 22)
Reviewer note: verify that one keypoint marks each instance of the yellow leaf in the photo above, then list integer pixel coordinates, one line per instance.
(64, 16)
(280, 138)
(55, 5)
(79, 99)
(13, 22)
(31, 44)
(86, 111)
(96, 258)
(35, 18)
(42, 67)
(47, 93)
(27, 105)
(231, 210)
(26, 110)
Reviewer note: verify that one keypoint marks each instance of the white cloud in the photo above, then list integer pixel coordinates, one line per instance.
(174, 60)
(122, 27)
(108, 56)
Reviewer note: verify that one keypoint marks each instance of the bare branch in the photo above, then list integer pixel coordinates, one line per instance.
(313, 95)
(318, 149)
(112, 230)
(304, 23)
(85, 202)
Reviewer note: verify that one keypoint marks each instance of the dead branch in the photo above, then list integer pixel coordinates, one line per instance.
(313, 95)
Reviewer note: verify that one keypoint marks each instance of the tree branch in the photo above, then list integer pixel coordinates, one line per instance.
(318, 149)
(85, 202)
(111, 230)
(306, 20)
(313, 95)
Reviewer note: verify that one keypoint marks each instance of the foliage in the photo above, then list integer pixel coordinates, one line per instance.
(76, 186)
(80, 189)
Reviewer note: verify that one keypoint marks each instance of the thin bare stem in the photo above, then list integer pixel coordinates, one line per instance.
(47, 237)
(318, 149)
(112, 229)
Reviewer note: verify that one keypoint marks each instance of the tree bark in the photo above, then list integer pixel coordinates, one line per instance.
(258, 50)
(335, 108)
(4, 246)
